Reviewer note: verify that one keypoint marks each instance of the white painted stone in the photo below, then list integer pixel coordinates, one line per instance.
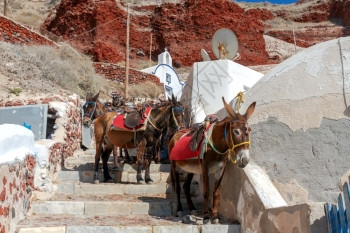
(43, 230)
(59, 207)
(263, 186)
(107, 208)
(176, 229)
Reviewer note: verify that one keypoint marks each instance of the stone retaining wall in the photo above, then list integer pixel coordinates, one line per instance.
(15, 33)
(117, 73)
(18, 180)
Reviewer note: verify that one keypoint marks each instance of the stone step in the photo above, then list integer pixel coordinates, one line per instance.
(112, 205)
(120, 224)
(110, 189)
(125, 176)
(89, 165)
(78, 188)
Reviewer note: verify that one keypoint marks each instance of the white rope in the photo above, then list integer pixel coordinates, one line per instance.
(343, 74)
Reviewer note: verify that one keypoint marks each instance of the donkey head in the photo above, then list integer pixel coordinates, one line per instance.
(240, 134)
(90, 111)
(177, 114)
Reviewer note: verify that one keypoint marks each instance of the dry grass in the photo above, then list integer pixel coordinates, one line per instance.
(146, 90)
(47, 69)
(44, 69)
(28, 12)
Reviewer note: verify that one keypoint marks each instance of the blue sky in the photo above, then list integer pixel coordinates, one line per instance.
(271, 1)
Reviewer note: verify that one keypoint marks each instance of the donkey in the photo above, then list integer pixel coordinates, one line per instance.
(226, 139)
(159, 117)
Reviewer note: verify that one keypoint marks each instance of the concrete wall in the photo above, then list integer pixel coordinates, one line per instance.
(21, 180)
(301, 126)
(248, 196)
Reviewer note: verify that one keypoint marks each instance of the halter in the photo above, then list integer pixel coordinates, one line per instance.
(232, 149)
(173, 115)
(174, 118)
(92, 113)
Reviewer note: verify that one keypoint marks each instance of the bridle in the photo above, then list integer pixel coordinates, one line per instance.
(176, 109)
(173, 110)
(91, 114)
(233, 146)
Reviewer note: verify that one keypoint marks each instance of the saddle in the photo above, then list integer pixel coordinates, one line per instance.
(132, 117)
(197, 131)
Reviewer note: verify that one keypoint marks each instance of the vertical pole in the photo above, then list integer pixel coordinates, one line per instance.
(295, 43)
(127, 53)
(150, 52)
(5, 7)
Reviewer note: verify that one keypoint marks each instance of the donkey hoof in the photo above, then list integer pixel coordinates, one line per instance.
(215, 221)
(109, 178)
(194, 212)
(187, 219)
(179, 214)
(206, 221)
(149, 181)
(128, 161)
(96, 181)
(140, 181)
(117, 169)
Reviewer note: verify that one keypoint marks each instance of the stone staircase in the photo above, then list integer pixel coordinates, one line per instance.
(77, 205)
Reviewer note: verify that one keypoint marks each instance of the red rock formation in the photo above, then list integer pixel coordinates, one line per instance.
(323, 20)
(98, 28)
(13, 32)
(183, 28)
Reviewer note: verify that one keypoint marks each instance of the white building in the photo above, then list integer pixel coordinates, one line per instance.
(209, 81)
(167, 75)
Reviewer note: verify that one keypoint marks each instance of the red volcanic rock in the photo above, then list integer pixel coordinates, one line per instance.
(340, 9)
(98, 28)
(316, 16)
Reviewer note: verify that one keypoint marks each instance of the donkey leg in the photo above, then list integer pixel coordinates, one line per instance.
(175, 179)
(126, 158)
(187, 190)
(116, 166)
(147, 163)
(105, 157)
(216, 196)
(140, 160)
(97, 161)
(205, 177)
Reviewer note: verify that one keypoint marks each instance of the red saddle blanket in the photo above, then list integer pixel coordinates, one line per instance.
(181, 150)
(118, 121)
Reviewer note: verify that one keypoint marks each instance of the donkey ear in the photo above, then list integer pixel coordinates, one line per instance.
(173, 99)
(229, 108)
(250, 110)
(96, 96)
(88, 96)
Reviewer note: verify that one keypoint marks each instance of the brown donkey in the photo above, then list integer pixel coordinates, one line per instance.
(224, 140)
(170, 115)
(92, 109)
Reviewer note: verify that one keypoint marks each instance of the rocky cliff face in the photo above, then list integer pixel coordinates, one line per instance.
(98, 28)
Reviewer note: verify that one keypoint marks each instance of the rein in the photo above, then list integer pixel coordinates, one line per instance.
(232, 149)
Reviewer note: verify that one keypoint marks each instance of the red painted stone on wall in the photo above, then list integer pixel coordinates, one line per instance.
(18, 34)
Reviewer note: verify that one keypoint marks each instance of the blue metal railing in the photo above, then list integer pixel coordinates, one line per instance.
(338, 215)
